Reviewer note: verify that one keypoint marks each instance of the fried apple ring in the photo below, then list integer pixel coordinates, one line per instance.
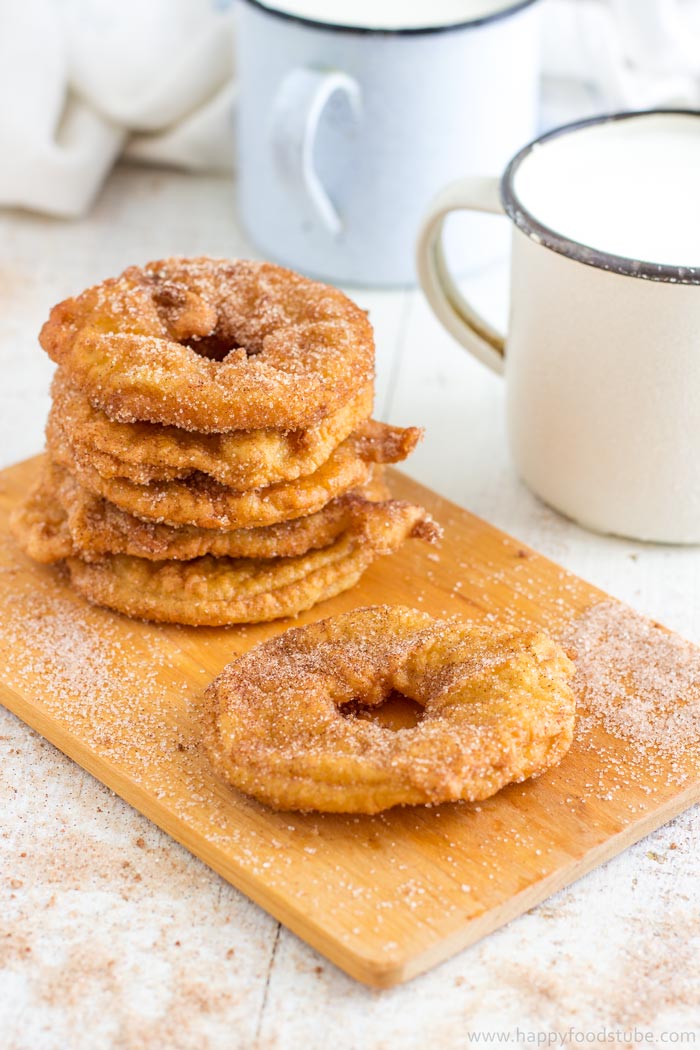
(496, 703)
(39, 522)
(199, 500)
(213, 345)
(219, 591)
(60, 518)
(241, 459)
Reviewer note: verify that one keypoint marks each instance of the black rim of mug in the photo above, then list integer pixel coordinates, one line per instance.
(495, 16)
(583, 253)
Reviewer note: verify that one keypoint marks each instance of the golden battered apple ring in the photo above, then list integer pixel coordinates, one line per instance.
(219, 591)
(496, 703)
(240, 459)
(213, 345)
(60, 518)
(201, 501)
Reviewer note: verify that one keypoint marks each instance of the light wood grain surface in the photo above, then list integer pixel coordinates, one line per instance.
(113, 936)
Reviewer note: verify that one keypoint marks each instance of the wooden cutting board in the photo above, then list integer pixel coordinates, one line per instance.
(383, 897)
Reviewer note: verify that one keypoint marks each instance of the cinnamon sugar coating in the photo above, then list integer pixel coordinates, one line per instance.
(213, 345)
(497, 709)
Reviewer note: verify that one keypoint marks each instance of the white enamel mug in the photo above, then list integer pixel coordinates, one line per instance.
(353, 113)
(602, 356)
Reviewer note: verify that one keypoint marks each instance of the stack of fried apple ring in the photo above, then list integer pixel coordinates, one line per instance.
(211, 457)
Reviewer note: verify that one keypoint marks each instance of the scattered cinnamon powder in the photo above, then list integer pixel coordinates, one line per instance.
(638, 681)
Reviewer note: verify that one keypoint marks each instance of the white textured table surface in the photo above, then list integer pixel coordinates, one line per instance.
(111, 935)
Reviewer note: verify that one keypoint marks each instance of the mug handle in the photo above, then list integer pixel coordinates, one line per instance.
(487, 344)
(297, 111)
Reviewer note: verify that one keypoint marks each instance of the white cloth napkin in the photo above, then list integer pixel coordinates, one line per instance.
(84, 81)
(608, 55)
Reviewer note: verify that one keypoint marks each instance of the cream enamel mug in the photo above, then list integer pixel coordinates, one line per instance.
(602, 356)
